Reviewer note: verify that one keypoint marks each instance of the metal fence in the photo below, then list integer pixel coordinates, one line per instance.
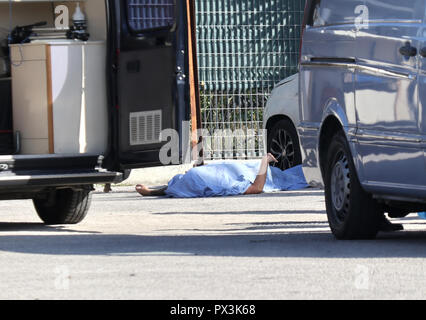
(244, 48)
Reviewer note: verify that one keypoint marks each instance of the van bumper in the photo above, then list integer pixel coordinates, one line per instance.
(22, 180)
(21, 172)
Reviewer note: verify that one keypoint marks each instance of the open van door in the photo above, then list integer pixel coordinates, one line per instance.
(149, 86)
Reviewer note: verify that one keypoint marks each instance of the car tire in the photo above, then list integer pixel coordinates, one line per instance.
(64, 206)
(352, 213)
(283, 144)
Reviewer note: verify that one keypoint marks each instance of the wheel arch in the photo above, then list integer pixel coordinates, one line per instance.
(330, 126)
(334, 119)
(273, 120)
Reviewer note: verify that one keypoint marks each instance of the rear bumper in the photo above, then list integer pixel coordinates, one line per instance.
(30, 172)
(37, 179)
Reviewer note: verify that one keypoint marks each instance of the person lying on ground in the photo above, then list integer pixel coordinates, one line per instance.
(229, 178)
(238, 178)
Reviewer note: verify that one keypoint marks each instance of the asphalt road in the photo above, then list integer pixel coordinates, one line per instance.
(270, 246)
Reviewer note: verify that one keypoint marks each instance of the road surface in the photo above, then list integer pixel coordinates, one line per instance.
(269, 246)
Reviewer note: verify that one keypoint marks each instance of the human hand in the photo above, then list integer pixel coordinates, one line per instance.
(271, 158)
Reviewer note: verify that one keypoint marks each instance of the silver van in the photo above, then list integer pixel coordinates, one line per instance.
(363, 109)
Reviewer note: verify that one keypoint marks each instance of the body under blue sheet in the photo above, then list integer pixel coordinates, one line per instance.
(232, 178)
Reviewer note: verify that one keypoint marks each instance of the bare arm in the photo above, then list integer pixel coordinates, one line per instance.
(259, 182)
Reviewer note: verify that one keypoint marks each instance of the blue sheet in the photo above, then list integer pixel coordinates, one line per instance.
(232, 178)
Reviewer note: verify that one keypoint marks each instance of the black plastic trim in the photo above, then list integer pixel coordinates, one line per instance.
(56, 179)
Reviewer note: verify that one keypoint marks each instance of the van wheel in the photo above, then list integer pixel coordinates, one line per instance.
(352, 213)
(283, 144)
(64, 206)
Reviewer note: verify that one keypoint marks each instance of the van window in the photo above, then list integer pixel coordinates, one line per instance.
(395, 9)
(329, 12)
(146, 15)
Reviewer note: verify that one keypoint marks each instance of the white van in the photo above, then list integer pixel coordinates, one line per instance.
(76, 113)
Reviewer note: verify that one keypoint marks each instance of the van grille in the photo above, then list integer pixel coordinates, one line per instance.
(145, 127)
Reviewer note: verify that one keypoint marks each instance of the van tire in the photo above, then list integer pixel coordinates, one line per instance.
(285, 129)
(352, 213)
(64, 206)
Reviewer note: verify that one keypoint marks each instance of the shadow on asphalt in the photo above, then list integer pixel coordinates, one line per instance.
(130, 195)
(259, 226)
(271, 239)
(260, 212)
(37, 227)
(319, 244)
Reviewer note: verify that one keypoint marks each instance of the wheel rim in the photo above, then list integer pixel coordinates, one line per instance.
(282, 148)
(340, 187)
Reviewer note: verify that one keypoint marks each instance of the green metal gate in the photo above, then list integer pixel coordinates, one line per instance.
(244, 48)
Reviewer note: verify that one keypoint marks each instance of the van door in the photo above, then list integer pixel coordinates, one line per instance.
(387, 102)
(149, 83)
